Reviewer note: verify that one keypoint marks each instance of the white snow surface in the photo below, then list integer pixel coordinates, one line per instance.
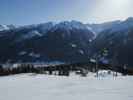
(32, 34)
(3, 27)
(69, 25)
(7, 27)
(81, 52)
(32, 54)
(43, 87)
(73, 45)
(22, 53)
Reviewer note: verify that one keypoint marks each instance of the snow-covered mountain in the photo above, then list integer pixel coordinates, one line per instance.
(97, 28)
(69, 41)
(3, 27)
(118, 40)
(65, 41)
(123, 25)
(71, 25)
(6, 27)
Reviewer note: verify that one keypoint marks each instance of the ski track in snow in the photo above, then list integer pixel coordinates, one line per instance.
(74, 87)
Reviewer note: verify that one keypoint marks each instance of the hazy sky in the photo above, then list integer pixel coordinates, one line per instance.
(22, 12)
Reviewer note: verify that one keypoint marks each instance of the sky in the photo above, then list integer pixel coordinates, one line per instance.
(24, 12)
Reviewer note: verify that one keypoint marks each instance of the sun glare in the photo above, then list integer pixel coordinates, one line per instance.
(120, 3)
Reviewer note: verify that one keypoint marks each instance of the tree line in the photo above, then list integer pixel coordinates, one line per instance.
(63, 69)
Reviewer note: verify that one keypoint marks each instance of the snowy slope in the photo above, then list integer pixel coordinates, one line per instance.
(3, 27)
(119, 42)
(69, 25)
(7, 27)
(43, 87)
(97, 28)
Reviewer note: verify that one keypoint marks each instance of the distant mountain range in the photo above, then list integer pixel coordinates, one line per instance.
(118, 40)
(97, 28)
(65, 41)
(68, 41)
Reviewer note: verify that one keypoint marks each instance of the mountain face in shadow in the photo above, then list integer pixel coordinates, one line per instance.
(68, 42)
(118, 40)
(65, 41)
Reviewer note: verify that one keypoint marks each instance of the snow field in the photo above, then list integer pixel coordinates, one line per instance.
(44, 87)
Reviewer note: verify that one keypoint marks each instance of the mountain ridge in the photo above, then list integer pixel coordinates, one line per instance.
(69, 41)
